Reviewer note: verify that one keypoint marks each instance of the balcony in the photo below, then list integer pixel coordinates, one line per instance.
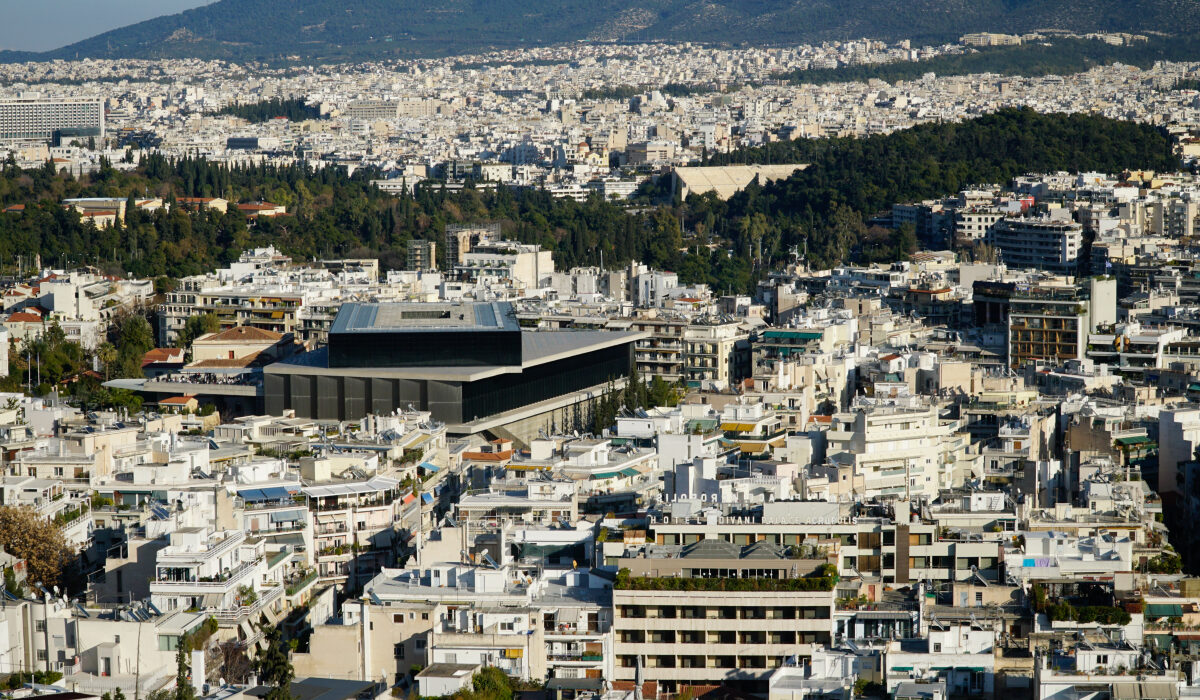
(297, 584)
(552, 630)
(574, 658)
(219, 581)
(233, 616)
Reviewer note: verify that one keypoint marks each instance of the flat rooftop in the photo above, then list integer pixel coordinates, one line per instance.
(537, 347)
(416, 317)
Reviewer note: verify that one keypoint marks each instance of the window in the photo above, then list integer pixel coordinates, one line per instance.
(39, 626)
(937, 647)
(420, 644)
(506, 627)
(979, 597)
(424, 616)
(41, 654)
(400, 650)
(397, 617)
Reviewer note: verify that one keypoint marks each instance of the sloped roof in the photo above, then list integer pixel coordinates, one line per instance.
(241, 333)
(162, 355)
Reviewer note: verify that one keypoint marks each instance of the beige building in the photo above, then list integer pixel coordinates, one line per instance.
(716, 353)
(697, 634)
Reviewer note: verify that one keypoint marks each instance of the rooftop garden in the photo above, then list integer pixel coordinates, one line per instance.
(823, 578)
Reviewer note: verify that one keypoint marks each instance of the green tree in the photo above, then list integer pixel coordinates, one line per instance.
(135, 339)
(274, 666)
(107, 354)
(183, 680)
(492, 684)
(197, 326)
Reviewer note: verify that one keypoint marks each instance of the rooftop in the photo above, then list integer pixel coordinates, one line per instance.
(480, 316)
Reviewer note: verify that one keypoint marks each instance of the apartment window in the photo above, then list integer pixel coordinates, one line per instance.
(39, 626)
(506, 627)
(400, 650)
(1101, 659)
(420, 644)
(424, 616)
(979, 597)
(937, 648)
(397, 617)
(41, 654)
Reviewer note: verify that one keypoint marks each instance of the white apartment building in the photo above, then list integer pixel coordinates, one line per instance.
(218, 571)
(33, 117)
(1042, 244)
(898, 450)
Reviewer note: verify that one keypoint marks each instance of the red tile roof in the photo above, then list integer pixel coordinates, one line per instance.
(242, 333)
(24, 317)
(181, 400)
(162, 355)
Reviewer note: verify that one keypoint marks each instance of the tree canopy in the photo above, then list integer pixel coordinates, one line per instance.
(725, 244)
(39, 542)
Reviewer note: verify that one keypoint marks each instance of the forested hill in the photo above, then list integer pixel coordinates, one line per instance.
(332, 30)
(331, 214)
(848, 178)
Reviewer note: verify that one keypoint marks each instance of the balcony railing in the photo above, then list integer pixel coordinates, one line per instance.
(219, 581)
(232, 616)
(300, 584)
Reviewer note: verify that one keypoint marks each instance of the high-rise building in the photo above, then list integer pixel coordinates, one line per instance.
(33, 117)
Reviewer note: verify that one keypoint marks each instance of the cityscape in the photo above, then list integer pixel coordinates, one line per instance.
(658, 351)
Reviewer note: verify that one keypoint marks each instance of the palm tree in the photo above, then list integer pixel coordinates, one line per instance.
(107, 354)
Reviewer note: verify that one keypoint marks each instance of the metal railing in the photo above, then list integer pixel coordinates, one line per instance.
(233, 616)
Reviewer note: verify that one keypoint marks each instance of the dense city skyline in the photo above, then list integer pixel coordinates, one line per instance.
(715, 350)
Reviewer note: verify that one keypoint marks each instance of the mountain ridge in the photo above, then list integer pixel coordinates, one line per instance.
(333, 30)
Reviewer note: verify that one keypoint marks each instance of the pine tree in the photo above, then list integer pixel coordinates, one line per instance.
(183, 681)
(275, 667)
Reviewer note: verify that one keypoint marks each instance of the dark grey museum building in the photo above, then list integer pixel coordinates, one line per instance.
(469, 364)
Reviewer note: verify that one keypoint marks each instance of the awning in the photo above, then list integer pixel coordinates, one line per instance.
(1132, 440)
(427, 497)
(294, 539)
(287, 516)
(882, 615)
(1164, 610)
(629, 471)
(270, 493)
(1162, 641)
(431, 468)
(605, 475)
(1144, 691)
(408, 498)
